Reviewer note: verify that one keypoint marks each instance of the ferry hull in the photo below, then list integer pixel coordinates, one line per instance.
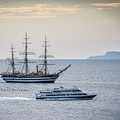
(85, 97)
(30, 79)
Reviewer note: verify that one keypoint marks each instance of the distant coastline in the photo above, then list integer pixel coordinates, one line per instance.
(112, 55)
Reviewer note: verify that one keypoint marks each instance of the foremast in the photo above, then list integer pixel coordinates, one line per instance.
(50, 56)
(45, 56)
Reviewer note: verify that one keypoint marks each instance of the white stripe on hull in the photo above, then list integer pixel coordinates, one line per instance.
(30, 80)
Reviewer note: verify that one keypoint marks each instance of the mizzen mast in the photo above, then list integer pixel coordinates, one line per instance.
(12, 62)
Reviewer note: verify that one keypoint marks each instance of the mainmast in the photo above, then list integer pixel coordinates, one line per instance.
(26, 58)
(26, 53)
(45, 59)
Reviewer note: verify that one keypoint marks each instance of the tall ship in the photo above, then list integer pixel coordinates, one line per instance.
(40, 76)
(61, 93)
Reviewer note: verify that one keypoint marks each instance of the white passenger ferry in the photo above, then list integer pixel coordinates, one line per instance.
(63, 93)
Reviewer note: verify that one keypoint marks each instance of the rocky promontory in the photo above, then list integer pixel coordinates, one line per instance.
(109, 55)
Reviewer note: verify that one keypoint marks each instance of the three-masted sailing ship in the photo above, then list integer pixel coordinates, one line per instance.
(41, 76)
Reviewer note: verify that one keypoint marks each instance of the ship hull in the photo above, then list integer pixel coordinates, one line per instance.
(30, 79)
(81, 97)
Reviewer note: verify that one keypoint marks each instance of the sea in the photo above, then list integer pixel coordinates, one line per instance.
(101, 77)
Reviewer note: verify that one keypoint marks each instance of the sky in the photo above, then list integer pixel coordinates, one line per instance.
(75, 29)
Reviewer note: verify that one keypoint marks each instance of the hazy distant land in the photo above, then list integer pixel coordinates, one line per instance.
(109, 55)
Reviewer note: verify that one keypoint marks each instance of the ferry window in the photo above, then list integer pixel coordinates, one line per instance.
(56, 91)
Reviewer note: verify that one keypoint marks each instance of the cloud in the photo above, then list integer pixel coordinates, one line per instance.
(37, 11)
(107, 4)
(104, 6)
